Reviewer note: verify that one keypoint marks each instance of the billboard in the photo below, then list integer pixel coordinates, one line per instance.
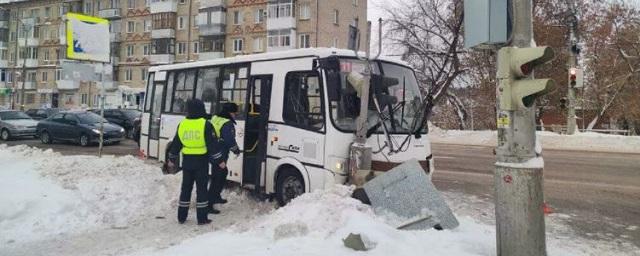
(87, 38)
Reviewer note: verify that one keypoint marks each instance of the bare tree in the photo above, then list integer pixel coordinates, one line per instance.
(429, 32)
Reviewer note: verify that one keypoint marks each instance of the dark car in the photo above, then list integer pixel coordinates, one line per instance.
(42, 113)
(78, 126)
(123, 117)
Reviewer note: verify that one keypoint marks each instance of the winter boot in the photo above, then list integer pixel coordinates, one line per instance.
(183, 211)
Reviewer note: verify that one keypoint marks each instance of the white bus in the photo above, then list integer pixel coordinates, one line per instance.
(298, 115)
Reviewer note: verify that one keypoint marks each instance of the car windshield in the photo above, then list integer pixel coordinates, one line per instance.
(399, 100)
(132, 113)
(90, 118)
(13, 115)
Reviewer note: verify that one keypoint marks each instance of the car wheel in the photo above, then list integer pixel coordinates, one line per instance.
(289, 185)
(84, 140)
(5, 135)
(45, 137)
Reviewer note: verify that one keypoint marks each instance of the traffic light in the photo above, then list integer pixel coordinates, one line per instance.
(576, 77)
(515, 65)
(563, 102)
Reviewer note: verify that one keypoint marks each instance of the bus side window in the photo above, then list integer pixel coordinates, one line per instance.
(207, 88)
(303, 101)
(183, 91)
(147, 101)
(169, 93)
(235, 90)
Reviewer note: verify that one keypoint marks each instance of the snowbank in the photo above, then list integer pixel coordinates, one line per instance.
(316, 223)
(588, 141)
(44, 193)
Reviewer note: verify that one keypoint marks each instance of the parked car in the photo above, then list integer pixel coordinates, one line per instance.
(123, 117)
(82, 127)
(42, 113)
(15, 124)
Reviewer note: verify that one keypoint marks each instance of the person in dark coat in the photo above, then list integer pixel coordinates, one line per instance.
(195, 141)
(224, 128)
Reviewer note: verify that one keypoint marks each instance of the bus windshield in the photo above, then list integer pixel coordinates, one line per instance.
(399, 98)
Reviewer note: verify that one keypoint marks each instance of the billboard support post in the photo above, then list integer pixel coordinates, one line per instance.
(88, 40)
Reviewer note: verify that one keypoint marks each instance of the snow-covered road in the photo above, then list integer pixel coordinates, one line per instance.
(84, 205)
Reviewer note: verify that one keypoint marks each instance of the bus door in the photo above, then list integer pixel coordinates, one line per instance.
(157, 97)
(255, 142)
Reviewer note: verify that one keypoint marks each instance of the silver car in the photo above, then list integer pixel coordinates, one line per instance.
(15, 124)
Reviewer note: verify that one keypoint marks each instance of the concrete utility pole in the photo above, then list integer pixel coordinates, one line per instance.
(520, 228)
(24, 63)
(572, 62)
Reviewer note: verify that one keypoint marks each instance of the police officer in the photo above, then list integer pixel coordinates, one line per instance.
(225, 132)
(194, 139)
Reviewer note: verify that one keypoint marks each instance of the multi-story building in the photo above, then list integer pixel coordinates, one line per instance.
(154, 32)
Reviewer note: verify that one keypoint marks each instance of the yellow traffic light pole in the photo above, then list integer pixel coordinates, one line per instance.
(520, 228)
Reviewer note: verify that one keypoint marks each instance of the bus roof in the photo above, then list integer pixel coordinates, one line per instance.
(295, 53)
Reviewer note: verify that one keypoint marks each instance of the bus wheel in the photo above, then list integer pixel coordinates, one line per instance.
(289, 185)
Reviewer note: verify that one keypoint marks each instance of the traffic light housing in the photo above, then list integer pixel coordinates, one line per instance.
(515, 65)
(563, 102)
(576, 77)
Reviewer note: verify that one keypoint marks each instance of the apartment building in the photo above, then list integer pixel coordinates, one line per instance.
(155, 32)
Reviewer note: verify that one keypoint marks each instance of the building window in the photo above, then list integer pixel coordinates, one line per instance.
(58, 74)
(47, 11)
(143, 74)
(165, 20)
(182, 48)
(196, 47)
(45, 76)
(128, 75)
(237, 17)
(147, 25)
(181, 22)
(258, 16)
(183, 1)
(145, 50)
(258, 43)
(305, 41)
(131, 4)
(355, 2)
(131, 27)
(303, 101)
(238, 45)
(279, 38)
(305, 11)
(336, 17)
(84, 99)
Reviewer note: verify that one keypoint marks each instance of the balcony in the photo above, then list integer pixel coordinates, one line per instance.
(30, 21)
(4, 45)
(4, 63)
(281, 23)
(108, 85)
(115, 37)
(163, 33)
(28, 85)
(30, 63)
(30, 42)
(211, 3)
(4, 24)
(161, 59)
(211, 29)
(113, 13)
(210, 55)
(67, 85)
(51, 62)
(3, 85)
(160, 6)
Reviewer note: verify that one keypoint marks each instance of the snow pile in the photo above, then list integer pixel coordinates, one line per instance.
(316, 223)
(588, 141)
(44, 193)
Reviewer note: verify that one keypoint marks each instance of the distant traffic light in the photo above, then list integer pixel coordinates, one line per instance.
(515, 65)
(563, 102)
(576, 78)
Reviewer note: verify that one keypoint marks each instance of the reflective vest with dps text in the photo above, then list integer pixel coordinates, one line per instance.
(191, 134)
(217, 123)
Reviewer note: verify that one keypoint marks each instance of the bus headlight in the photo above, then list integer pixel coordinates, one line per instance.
(339, 166)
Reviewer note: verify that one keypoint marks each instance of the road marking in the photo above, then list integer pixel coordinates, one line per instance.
(554, 181)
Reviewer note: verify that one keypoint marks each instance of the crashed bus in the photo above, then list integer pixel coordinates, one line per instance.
(297, 118)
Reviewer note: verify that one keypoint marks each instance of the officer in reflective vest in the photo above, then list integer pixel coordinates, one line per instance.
(195, 140)
(225, 132)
